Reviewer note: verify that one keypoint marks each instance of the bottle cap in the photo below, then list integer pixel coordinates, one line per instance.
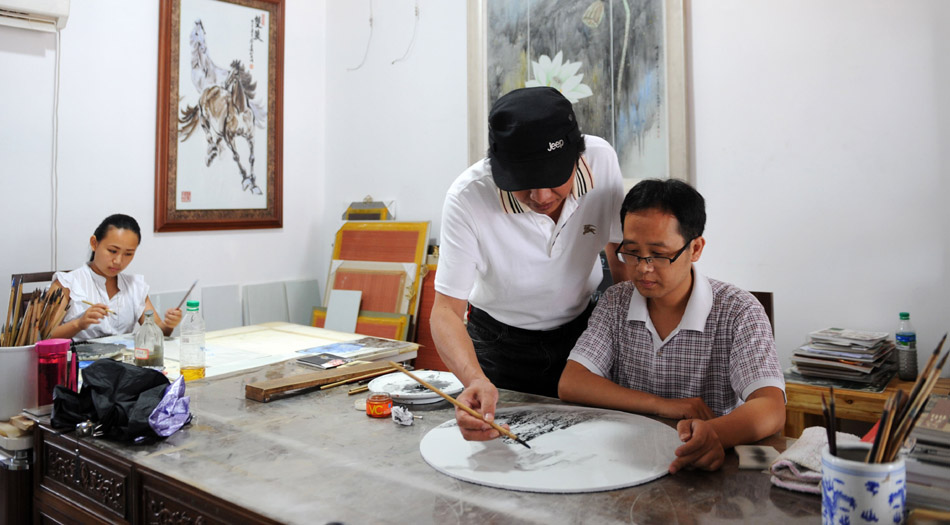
(905, 316)
(52, 346)
(192, 304)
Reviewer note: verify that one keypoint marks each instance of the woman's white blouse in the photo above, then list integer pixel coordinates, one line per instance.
(128, 304)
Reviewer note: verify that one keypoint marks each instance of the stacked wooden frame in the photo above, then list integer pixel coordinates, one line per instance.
(384, 260)
(376, 324)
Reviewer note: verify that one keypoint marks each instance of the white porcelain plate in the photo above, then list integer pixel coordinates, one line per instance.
(404, 389)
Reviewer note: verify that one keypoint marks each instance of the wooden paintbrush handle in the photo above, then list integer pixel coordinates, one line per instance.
(108, 311)
(357, 378)
(452, 400)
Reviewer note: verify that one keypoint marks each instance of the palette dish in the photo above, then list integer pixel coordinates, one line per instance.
(573, 450)
(96, 351)
(406, 390)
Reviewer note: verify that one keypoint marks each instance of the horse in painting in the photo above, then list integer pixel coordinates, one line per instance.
(205, 73)
(225, 113)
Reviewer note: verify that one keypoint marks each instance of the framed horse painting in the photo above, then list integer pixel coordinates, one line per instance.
(218, 151)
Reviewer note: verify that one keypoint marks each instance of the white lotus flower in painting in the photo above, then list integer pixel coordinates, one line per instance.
(560, 76)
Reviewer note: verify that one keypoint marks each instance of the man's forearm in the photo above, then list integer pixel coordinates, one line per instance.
(762, 415)
(454, 345)
(580, 385)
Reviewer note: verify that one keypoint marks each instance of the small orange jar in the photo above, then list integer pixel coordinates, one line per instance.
(379, 405)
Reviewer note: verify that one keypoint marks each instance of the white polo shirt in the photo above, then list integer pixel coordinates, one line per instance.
(518, 265)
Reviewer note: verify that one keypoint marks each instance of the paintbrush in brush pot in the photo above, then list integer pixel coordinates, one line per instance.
(916, 406)
(829, 429)
(505, 432)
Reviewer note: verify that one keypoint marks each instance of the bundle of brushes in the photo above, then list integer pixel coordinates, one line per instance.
(42, 313)
(898, 418)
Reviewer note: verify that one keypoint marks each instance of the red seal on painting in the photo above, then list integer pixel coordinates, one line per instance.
(186, 196)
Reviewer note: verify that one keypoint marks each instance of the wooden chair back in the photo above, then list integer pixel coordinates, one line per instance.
(35, 280)
(765, 298)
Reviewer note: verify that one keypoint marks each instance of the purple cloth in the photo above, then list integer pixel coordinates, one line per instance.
(172, 411)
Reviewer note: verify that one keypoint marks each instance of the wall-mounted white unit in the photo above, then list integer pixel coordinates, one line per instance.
(41, 15)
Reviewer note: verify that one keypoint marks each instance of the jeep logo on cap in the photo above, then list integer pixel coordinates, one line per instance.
(555, 145)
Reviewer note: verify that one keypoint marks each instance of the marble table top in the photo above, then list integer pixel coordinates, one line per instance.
(314, 458)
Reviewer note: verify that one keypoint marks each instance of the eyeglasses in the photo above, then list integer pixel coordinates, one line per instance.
(654, 262)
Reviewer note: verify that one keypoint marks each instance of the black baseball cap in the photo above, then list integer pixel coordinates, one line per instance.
(533, 139)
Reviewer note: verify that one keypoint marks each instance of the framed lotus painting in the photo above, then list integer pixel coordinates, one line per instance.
(218, 145)
(620, 62)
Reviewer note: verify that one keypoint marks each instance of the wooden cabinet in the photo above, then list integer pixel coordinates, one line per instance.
(76, 481)
(165, 500)
(803, 406)
(71, 476)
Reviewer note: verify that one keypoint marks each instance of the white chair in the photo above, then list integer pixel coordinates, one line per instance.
(265, 303)
(302, 297)
(221, 306)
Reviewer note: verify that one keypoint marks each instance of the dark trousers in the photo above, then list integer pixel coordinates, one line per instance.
(524, 360)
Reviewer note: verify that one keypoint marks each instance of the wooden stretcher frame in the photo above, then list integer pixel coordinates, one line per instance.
(402, 284)
(385, 241)
(377, 324)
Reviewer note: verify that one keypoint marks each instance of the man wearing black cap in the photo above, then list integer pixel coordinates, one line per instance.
(521, 235)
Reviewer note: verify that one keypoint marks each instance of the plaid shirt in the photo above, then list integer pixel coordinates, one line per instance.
(722, 351)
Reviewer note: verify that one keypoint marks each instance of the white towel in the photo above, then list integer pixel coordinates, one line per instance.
(799, 467)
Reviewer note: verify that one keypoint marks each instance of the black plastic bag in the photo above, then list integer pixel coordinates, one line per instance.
(117, 397)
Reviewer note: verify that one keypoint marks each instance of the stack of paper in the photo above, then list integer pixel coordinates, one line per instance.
(928, 466)
(366, 349)
(850, 355)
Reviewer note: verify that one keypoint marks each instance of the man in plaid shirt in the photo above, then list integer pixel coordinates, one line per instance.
(673, 343)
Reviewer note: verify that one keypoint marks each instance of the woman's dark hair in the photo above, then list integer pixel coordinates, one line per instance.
(672, 196)
(119, 222)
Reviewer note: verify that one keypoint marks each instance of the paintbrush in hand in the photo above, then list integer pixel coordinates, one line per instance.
(450, 399)
(110, 312)
(187, 294)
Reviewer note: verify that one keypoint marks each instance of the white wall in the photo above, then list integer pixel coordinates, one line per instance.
(107, 150)
(819, 138)
(395, 131)
(820, 134)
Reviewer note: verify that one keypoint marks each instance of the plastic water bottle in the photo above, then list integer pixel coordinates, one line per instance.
(149, 344)
(192, 343)
(906, 349)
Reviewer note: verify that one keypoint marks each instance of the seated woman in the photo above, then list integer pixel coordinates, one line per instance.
(100, 286)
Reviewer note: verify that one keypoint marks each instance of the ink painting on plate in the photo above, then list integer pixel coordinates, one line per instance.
(573, 450)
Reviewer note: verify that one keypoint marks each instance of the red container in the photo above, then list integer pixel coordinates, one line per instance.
(379, 405)
(51, 368)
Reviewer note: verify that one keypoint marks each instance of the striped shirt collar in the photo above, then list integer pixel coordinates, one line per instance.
(583, 183)
(697, 309)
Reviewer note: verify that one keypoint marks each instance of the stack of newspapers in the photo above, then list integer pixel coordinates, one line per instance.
(849, 355)
(928, 465)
